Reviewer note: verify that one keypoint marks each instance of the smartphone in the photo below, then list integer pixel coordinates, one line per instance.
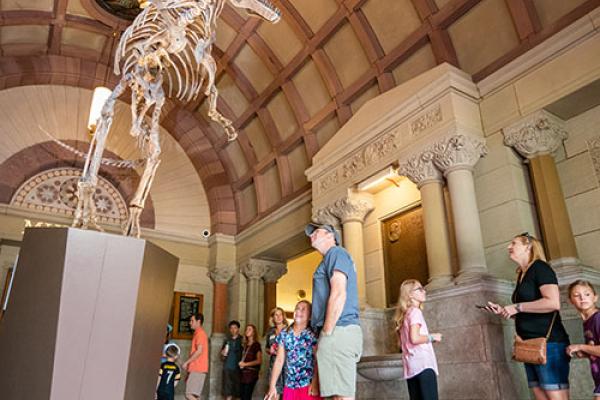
(480, 306)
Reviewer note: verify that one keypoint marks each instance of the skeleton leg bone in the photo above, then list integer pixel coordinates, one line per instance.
(85, 213)
(136, 205)
(213, 94)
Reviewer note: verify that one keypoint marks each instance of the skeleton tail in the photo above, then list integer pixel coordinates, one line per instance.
(105, 161)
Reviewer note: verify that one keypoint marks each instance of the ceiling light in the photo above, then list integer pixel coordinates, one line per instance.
(375, 183)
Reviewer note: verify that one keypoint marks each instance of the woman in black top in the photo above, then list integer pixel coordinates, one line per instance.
(536, 300)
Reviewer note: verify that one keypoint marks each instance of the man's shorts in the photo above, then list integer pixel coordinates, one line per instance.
(231, 382)
(337, 356)
(195, 383)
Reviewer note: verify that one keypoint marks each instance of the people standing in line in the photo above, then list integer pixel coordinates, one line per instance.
(536, 305)
(278, 323)
(335, 314)
(197, 363)
(296, 349)
(584, 298)
(420, 364)
(250, 362)
(168, 375)
(231, 351)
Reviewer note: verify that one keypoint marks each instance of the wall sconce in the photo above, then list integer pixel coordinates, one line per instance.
(380, 180)
(100, 96)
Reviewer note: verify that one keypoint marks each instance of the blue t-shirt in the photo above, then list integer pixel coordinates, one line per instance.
(298, 356)
(234, 354)
(336, 259)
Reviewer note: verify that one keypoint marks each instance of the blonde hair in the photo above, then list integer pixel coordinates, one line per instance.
(537, 250)
(584, 283)
(404, 300)
(272, 315)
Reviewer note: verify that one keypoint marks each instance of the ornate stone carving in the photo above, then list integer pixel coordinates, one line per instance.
(55, 191)
(324, 216)
(255, 268)
(368, 155)
(539, 133)
(222, 274)
(275, 271)
(420, 168)
(427, 120)
(594, 150)
(459, 151)
(349, 209)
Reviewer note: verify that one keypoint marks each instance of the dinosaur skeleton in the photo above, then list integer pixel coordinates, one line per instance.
(171, 38)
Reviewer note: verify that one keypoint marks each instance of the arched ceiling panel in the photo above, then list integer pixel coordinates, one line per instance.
(419, 62)
(298, 162)
(281, 39)
(284, 118)
(389, 34)
(317, 16)
(74, 7)
(327, 130)
(225, 35)
(247, 204)
(271, 194)
(314, 92)
(471, 35)
(238, 160)
(41, 5)
(347, 55)
(24, 34)
(232, 95)
(87, 40)
(370, 93)
(258, 139)
(254, 69)
(550, 11)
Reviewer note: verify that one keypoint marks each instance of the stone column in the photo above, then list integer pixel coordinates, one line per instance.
(253, 271)
(421, 170)
(537, 137)
(456, 156)
(220, 277)
(275, 271)
(352, 211)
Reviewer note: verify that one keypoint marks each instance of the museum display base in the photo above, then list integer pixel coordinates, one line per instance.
(86, 317)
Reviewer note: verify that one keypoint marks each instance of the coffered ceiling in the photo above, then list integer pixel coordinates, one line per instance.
(288, 87)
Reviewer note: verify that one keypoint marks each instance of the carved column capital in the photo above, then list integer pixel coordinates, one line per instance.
(537, 134)
(458, 152)
(275, 270)
(324, 216)
(420, 169)
(351, 209)
(255, 268)
(222, 274)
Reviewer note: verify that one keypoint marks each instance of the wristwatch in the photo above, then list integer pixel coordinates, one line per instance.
(518, 307)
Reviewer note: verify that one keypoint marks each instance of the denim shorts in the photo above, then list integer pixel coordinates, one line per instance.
(554, 375)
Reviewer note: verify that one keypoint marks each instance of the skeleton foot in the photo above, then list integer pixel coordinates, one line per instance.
(85, 214)
(132, 228)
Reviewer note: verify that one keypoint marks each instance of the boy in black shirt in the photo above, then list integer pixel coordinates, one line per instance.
(168, 375)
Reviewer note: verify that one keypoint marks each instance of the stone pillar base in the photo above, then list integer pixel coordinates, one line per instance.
(438, 282)
(215, 368)
(471, 275)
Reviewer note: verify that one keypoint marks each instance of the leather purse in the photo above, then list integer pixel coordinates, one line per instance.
(532, 351)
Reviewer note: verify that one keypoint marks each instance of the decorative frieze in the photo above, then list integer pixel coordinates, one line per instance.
(222, 274)
(324, 216)
(459, 151)
(255, 268)
(420, 168)
(427, 120)
(366, 156)
(594, 151)
(537, 134)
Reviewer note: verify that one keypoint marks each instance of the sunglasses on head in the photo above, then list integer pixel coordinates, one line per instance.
(527, 236)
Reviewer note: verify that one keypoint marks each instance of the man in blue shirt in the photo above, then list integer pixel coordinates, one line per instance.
(335, 314)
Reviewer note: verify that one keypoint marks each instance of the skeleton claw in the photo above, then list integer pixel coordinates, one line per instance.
(132, 227)
(85, 213)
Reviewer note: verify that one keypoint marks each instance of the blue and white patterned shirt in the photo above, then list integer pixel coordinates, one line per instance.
(298, 356)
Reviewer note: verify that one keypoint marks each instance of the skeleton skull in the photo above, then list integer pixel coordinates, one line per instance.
(259, 8)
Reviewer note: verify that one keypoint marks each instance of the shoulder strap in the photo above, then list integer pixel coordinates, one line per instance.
(551, 324)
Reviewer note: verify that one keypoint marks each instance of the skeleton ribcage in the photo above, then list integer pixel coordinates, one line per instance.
(155, 30)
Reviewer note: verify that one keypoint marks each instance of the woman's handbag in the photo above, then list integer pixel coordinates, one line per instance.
(532, 351)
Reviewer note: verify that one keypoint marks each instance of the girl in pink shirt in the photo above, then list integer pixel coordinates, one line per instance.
(420, 365)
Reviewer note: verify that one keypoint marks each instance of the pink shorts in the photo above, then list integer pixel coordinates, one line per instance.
(298, 394)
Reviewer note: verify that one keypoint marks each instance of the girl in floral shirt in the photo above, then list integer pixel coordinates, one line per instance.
(297, 347)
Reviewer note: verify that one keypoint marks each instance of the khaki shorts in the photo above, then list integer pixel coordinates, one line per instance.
(195, 383)
(337, 356)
